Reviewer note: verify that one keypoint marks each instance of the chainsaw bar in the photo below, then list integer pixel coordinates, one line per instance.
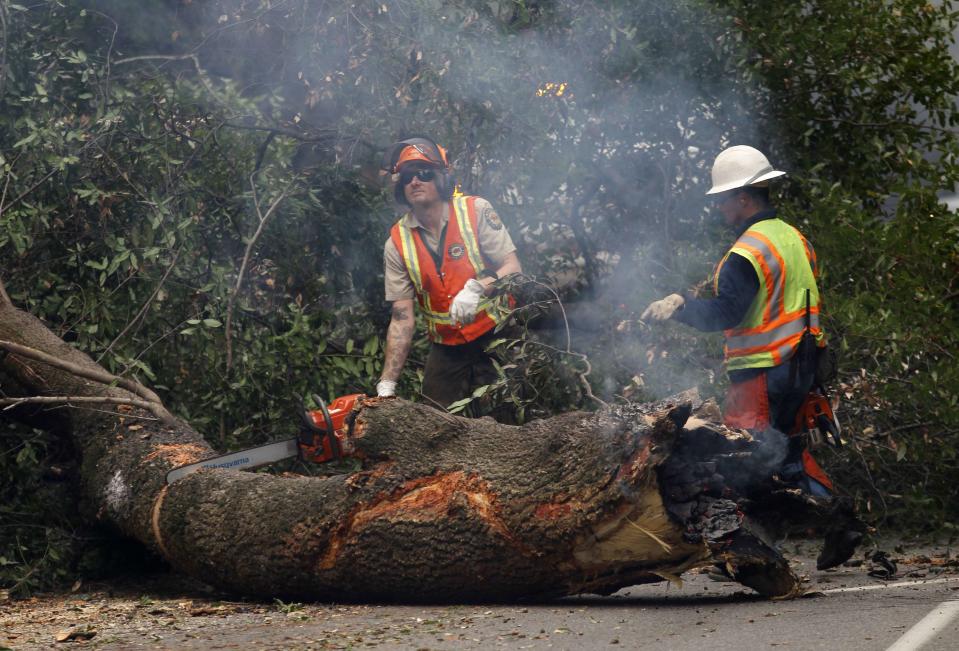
(242, 460)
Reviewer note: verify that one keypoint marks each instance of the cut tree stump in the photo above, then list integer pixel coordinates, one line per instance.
(444, 508)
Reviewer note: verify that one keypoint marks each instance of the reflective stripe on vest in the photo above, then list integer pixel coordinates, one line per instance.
(435, 294)
(785, 266)
(407, 250)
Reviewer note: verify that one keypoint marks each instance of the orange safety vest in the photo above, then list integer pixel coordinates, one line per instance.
(785, 264)
(462, 260)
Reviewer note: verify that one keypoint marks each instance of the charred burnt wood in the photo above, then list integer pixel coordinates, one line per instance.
(723, 485)
(444, 508)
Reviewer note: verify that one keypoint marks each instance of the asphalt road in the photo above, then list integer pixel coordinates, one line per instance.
(847, 609)
(701, 614)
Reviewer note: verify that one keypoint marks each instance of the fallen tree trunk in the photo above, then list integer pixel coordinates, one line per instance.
(445, 508)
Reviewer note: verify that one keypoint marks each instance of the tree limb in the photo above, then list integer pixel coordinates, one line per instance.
(10, 403)
(160, 57)
(3, 49)
(571, 504)
(282, 132)
(97, 375)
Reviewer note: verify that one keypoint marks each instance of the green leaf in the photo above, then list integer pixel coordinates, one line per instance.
(99, 266)
(459, 405)
(26, 141)
(26, 455)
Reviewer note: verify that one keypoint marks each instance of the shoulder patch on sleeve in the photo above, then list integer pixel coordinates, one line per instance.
(489, 215)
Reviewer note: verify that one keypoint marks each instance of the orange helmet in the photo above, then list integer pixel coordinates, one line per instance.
(414, 149)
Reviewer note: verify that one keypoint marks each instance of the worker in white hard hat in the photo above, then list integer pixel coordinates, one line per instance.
(767, 303)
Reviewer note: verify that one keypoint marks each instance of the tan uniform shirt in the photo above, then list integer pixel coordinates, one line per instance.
(494, 242)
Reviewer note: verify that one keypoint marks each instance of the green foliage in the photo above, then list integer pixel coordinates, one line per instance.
(143, 144)
(38, 522)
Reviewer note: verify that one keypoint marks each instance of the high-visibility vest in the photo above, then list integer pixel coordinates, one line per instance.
(785, 264)
(462, 260)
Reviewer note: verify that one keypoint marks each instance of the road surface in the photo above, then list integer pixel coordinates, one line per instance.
(846, 609)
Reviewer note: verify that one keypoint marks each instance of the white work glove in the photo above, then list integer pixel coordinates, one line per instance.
(663, 308)
(385, 388)
(465, 304)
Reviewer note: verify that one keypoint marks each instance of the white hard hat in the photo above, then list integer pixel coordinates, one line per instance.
(739, 166)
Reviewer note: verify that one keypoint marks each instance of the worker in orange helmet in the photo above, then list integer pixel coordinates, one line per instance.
(767, 303)
(444, 254)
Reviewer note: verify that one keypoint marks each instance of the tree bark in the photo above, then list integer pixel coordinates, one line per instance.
(444, 508)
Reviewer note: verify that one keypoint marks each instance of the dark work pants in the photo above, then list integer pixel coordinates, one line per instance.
(453, 372)
(786, 392)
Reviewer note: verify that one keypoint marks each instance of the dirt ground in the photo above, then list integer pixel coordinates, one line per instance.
(167, 611)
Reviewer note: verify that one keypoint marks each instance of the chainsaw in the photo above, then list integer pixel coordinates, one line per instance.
(325, 435)
(817, 419)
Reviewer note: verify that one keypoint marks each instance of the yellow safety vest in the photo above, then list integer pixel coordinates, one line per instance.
(785, 264)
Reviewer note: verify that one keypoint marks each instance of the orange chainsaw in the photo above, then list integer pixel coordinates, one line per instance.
(817, 419)
(325, 435)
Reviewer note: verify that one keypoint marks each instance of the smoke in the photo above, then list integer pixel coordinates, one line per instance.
(769, 455)
(602, 183)
(605, 180)
(590, 126)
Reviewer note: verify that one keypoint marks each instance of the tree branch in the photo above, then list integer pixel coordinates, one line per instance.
(283, 132)
(143, 309)
(152, 403)
(160, 57)
(263, 218)
(3, 49)
(10, 403)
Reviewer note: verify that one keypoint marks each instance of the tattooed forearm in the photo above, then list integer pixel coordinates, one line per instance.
(398, 341)
(399, 338)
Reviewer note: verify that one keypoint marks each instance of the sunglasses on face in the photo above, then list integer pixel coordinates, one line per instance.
(423, 175)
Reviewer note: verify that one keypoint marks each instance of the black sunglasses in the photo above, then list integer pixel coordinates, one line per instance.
(423, 175)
